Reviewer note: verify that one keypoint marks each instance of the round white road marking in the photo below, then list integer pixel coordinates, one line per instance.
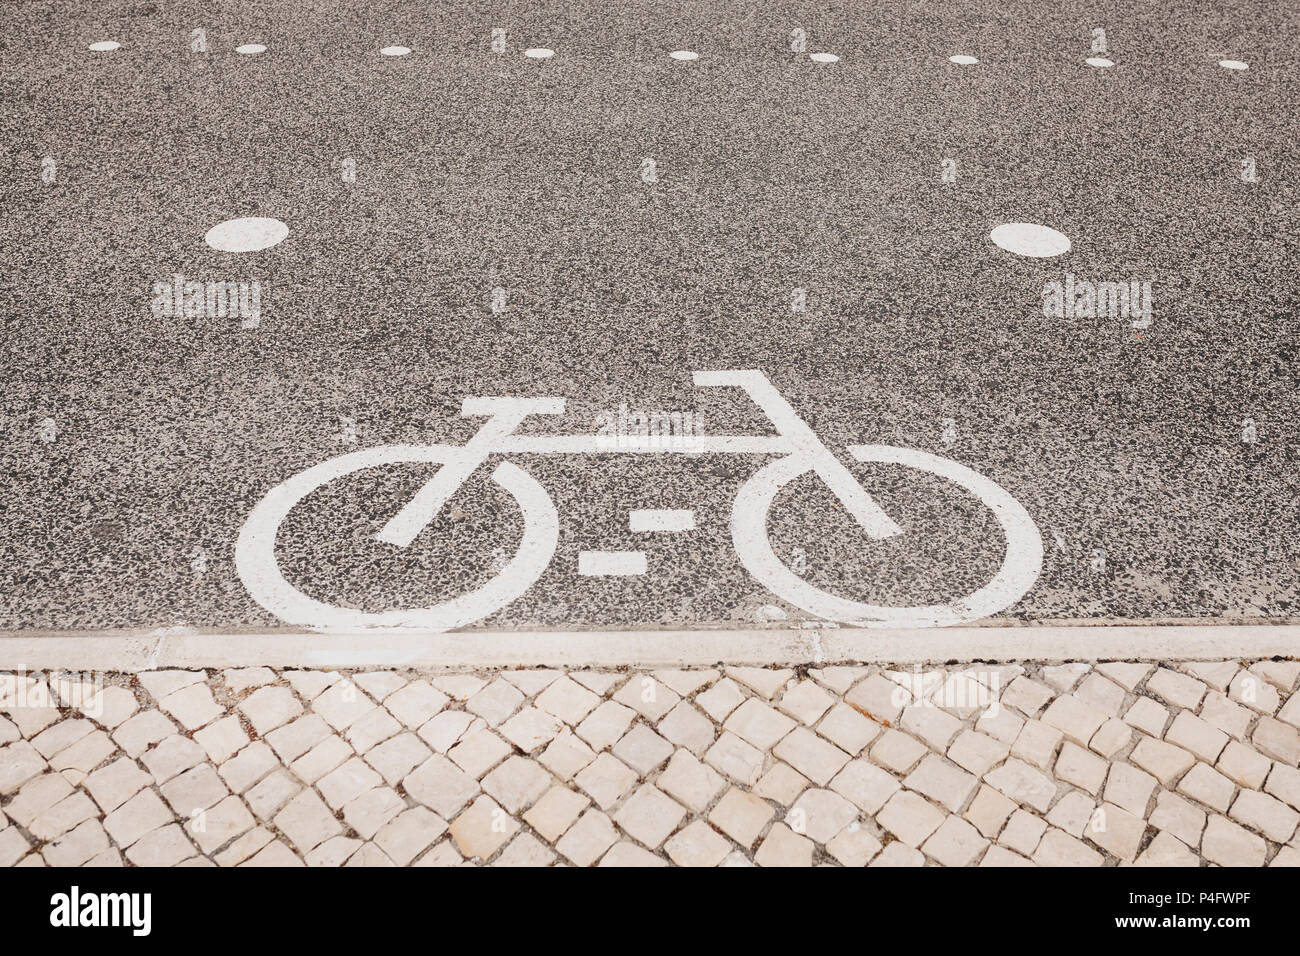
(1030, 239)
(963, 60)
(539, 53)
(1099, 61)
(247, 234)
(1232, 65)
(104, 46)
(684, 55)
(823, 57)
(250, 49)
(395, 50)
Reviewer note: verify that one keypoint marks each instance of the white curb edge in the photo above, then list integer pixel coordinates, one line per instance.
(132, 651)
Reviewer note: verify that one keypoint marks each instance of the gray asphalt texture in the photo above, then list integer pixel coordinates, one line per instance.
(477, 170)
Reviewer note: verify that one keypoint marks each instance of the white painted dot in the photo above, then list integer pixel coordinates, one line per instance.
(104, 46)
(684, 55)
(395, 50)
(963, 60)
(1099, 61)
(539, 53)
(1029, 239)
(247, 234)
(823, 57)
(250, 49)
(1232, 65)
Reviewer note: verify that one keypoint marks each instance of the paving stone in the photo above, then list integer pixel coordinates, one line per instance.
(172, 756)
(142, 731)
(606, 779)
(1037, 743)
(943, 782)
(1072, 813)
(1208, 786)
(1164, 761)
(290, 741)
(372, 729)
(598, 682)
(605, 725)
(687, 683)
(766, 682)
(848, 729)
(1023, 783)
(875, 698)
(865, 785)
(482, 829)
(1129, 788)
(276, 855)
(60, 736)
(566, 755)
(1230, 844)
(1058, 848)
(1282, 674)
(1218, 674)
(306, 821)
(111, 706)
(222, 739)
(240, 679)
(909, 817)
(1254, 692)
(273, 792)
(1244, 766)
(587, 840)
(442, 854)
(1065, 676)
(759, 724)
(1284, 783)
(408, 834)
(649, 816)
(854, 846)
(193, 706)
(1117, 831)
(269, 707)
(166, 846)
(341, 705)
(976, 752)
(896, 751)
(311, 684)
(13, 846)
(955, 843)
(416, 704)
(820, 814)
(76, 846)
(1000, 724)
(931, 725)
(1229, 716)
(370, 811)
(989, 811)
(443, 731)
(1080, 767)
(248, 766)
(139, 815)
(689, 781)
(396, 757)
(781, 784)
(244, 847)
(686, 727)
(720, 699)
(1277, 740)
(346, 782)
(1102, 694)
(783, 847)
(806, 702)
(1074, 718)
(1164, 850)
(647, 696)
(458, 686)
(527, 850)
(517, 783)
(379, 684)
(741, 816)
(195, 789)
(1148, 716)
(369, 855)
(530, 729)
(568, 700)
(997, 856)
(1112, 737)
(1192, 733)
(1265, 814)
(898, 854)
(479, 752)
(333, 852)
(1174, 688)
(220, 824)
(161, 683)
(1179, 817)
(326, 756)
(555, 811)
(697, 844)
(1023, 832)
(1287, 856)
(815, 758)
(1128, 676)
(36, 796)
(1026, 695)
(642, 749)
(736, 759)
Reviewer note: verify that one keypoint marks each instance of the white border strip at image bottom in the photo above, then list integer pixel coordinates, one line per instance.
(468, 650)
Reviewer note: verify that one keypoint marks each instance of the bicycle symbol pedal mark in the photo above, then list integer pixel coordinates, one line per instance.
(800, 451)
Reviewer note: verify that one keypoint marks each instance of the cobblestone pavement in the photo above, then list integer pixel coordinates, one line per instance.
(1069, 764)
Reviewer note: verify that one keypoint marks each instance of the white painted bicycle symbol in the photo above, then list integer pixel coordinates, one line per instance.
(801, 452)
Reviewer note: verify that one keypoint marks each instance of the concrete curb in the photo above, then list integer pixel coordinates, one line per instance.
(472, 650)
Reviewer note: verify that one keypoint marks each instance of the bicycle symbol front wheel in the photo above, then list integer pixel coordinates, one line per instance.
(1019, 570)
(259, 569)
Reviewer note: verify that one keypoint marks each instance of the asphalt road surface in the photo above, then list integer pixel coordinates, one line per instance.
(598, 225)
